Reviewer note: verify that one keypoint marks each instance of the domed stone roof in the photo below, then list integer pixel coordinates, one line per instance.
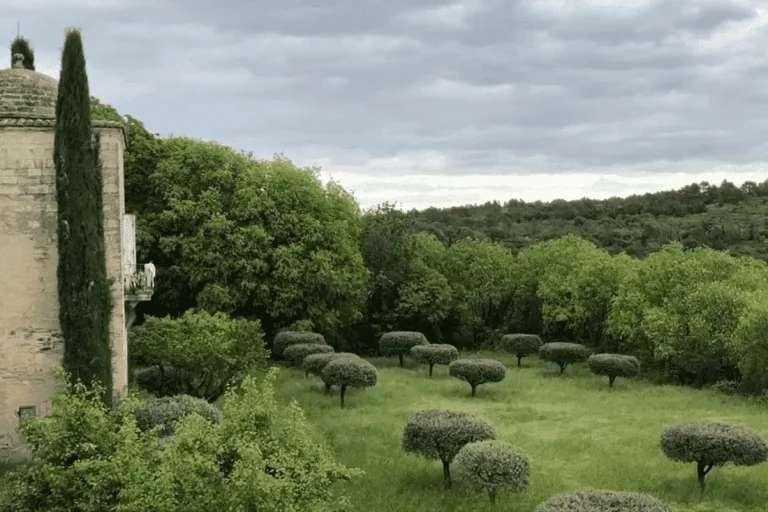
(26, 94)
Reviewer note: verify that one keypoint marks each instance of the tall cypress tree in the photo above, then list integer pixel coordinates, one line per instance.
(21, 45)
(85, 304)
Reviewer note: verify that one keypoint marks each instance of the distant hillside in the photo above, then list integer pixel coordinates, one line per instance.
(720, 217)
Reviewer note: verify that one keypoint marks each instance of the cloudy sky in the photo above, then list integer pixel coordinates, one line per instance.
(434, 102)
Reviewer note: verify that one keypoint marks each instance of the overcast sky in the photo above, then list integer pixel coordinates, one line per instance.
(439, 103)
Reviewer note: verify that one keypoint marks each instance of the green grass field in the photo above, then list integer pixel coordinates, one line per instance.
(577, 432)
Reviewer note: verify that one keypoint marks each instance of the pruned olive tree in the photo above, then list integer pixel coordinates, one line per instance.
(349, 372)
(563, 354)
(521, 345)
(477, 371)
(400, 343)
(493, 466)
(433, 354)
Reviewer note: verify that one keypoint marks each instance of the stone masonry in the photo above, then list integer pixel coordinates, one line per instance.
(30, 342)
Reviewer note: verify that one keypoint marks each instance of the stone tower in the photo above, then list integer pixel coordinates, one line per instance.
(30, 343)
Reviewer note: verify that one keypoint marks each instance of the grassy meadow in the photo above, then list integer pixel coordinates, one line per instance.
(577, 432)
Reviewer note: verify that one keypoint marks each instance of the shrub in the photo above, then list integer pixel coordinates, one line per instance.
(285, 339)
(440, 434)
(315, 363)
(166, 411)
(563, 353)
(477, 371)
(399, 343)
(492, 466)
(197, 354)
(434, 354)
(88, 457)
(297, 353)
(353, 372)
(711, 444)
(522, 345)
(613, 365)
(602, 501)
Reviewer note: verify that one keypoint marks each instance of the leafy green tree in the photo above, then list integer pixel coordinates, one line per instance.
(85, 303)
(749, 343)
(21, 45)
(253, 238)
(481, 275)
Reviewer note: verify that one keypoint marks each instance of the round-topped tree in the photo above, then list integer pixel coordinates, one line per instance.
(400, 343)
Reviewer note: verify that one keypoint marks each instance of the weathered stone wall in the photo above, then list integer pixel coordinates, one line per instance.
(30, 343)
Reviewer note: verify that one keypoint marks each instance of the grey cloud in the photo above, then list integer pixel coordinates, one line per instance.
(502, 83)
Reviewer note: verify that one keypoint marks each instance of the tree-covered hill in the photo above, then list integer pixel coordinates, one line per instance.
(721, 217)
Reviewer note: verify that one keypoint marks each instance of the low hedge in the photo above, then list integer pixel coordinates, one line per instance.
(433, 354)
(477, 371)
(563, 353)
(521, 345)
(603, 501)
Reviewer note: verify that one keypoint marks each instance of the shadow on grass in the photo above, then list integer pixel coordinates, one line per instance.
(732, 489)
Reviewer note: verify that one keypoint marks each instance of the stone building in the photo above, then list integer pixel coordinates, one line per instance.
(30, 342)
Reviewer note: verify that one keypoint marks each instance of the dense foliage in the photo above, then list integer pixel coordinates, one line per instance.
(436, 353)
(494, 466)
(613, 366)
(85, 302)
(602, 501)
(441, 434)
(296, 353)
(165, 411)
(285, 339)
(197, 354)
(260, 456)
(477, 371)
(711, 444)
(21, 45)
(563, 353)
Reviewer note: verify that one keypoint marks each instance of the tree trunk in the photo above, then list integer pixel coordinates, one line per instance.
(474, 389)
(400, 357)
(611, 379)
(446, 475)
(701, 472)
(562, 367)
(519, 359)
(430, 369)
(341, 394)
(327, 387)
(492, 496)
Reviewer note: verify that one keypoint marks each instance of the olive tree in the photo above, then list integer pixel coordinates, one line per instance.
(711, 444)
(166, 411)
(522, 345)
(399, 343)
(441, 434)
(602, 501)
(285, 339)
(563, 353)
(613, 365)
(433, 354)
(296, 353)
(353, 372)
(315, 363)
(477, 371)
(493, 466)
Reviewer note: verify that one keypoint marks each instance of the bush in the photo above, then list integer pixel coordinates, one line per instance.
(492, 466)
(711, 444)
(522, 345)
(166, 411)
(315, 363)
(399, 343)
(440, 434)
(197, 354)
(563, 353)
(477, 371)
(602, 501)
(613, 365)
(296, 353)
(353, 372)
(434, 354)
(285, 339)
(88, 457)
